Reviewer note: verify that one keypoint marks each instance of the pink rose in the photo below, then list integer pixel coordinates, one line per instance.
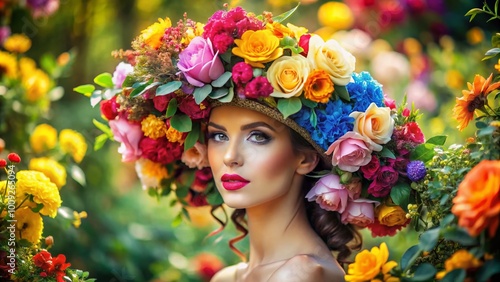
(120, 73)
(196, 156)
(360, 212)
(351, 151)
(198, 62)
(329, 193)
(129, 134)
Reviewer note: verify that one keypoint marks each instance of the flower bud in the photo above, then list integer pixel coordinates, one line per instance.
(49, 241)
(13, 157)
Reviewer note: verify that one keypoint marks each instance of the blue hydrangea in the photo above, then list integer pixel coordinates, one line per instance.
(416, 170)
(364, 90)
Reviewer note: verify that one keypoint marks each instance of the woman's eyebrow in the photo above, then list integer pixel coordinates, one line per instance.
(220, 127)
(257, 124)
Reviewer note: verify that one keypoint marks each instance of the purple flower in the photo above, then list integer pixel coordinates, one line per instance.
(258, 87)
(4, 33)
(242, 73)
(199, 63)
(42, 8)
(416, 170)
(121, 72)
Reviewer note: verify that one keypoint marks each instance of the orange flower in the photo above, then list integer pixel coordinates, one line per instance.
(472, 99)
(368, 265)
(460, 259)
(477, 204)
(318, 87)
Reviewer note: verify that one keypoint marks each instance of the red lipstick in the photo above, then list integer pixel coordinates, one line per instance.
(233, 182)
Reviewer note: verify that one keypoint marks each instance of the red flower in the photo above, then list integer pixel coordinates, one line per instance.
(160, 150)
(390, 103)
(194, 111)
(43, 260)
(13, 157)
(379, 189)
(370, 170)
(59, 266)
(196, 199)
(161, 102)
(201, 179)
(109, 108)
(207, 265)
(380, 230)
(3, 163)
(51, 266)
(304, 43)
(413, 132)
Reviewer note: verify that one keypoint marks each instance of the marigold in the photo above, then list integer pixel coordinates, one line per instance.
(258, 47)
(43, 137)
(8, 65)
(150, 173)
(477, 203)
(36, 184)
(473, 99)
(51, 168)
(37, 85)
(17, 43)
(368, 265)
(175, 136)
(153, 34)
(29, 225)
(460, 259)
(153, 127)
(73, 143)
(318, 86)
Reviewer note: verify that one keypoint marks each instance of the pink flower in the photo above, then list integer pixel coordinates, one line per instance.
(198, 62)
(304, 43)
(351, 151)
(406, 112)
(329, 193)
(359, 212)
(379, 189)
(196, 156)
(121, 72)
(391, 103)
(242, 73)
(354, 188)
(258, 87)
(129, 134)
(412, 131)
(370, 170)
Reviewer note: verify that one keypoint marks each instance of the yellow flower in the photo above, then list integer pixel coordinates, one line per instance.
(73, 143)
(368, 265)
(298, 31)
(17, 43)
(336, 15)
(43, 137)
(37, 85)
(51, 168)
(391, 215)
(280, 30)
(460, 259)
(153, 34)
(454, 79)
(36, 184)
(258, 47)
(475, 35)
(29, 225)
(288, 75)
(318, 86)
(192, 33)
(497, 66)
(77, 218)
(174, 136)
(8, 65)
(27, 66)
(375, 123)
(150, 173)
(153, 127)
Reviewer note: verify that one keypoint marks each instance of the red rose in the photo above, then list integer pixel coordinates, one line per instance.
(412, 131)
(161, 102)
(193, 110)
(160, 150)
(380, 230)
(370, 170)
(387, 175)
(378, 189)
(304, 43)
(109, 108)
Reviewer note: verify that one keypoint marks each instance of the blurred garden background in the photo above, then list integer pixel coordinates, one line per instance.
(426, 49)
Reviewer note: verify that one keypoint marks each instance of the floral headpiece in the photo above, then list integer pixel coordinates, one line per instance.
(176, 74)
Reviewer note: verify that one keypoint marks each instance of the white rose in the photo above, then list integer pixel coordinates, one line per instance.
(331, 57)
(287, 75)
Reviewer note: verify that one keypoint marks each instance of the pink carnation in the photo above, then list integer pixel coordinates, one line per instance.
(242, 73)
(329, 193)
(129, 135)
(258, 87)
(413, 132)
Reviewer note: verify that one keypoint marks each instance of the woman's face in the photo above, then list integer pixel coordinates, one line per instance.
(251, 156)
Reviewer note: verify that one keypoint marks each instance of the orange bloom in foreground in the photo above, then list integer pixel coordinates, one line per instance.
(472, 99)
(477, 204)
(460, 259)
(369, 265)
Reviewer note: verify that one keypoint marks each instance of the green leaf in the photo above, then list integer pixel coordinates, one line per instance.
(128, 82)
(424, 272)
(429, 239)
(219, 93)
(313, 118)
(492, 52)
(192, 137)
(85, 89)
(341, 92)
(387, 153)
(201, 93)
(410, 256)
(437, 140)
(139, 88)
(37, 208)
(229, 97)
(95, 98)
(105, 80)
(460, 236)
(219, 82)
(181, 123)
(447, 220)
(171, 108)
(103, 127)
(455, 275)
(100, 141)
(284, 16)
(423, 152)
(289, 106)
(77, 174)
(168, 88)
(489, 268)
(308, 103)
(400, 194)
(214, 198)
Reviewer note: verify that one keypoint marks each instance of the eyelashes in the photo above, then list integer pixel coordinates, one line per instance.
(255, 136)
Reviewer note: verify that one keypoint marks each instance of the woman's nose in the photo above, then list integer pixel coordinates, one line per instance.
(233, 155)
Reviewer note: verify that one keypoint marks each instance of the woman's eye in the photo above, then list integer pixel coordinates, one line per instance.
(259, 137)
(217, 136)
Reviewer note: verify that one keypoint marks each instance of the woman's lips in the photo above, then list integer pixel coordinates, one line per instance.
(233, 182)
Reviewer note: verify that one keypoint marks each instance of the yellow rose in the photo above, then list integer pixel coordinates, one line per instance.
(318, 86)
(43, 137)
(369, 264)
(391, 215)
(17, 43)
(332, 58)
(375, 123)
(153, 34)
(258, 47)
(288, 75)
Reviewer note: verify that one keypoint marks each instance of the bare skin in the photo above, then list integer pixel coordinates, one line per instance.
(283, 245)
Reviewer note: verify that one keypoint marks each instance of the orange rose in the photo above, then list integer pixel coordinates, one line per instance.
(258, 47)
(391, 215)
(318, 87)
(477, 204)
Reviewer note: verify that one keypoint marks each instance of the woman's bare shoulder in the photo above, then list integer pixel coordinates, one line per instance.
(227, 274)
(305, 268)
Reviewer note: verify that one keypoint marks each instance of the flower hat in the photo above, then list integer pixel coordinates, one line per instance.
(160, 99)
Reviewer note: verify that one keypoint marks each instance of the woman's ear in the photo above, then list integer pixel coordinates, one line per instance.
(309, 162)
